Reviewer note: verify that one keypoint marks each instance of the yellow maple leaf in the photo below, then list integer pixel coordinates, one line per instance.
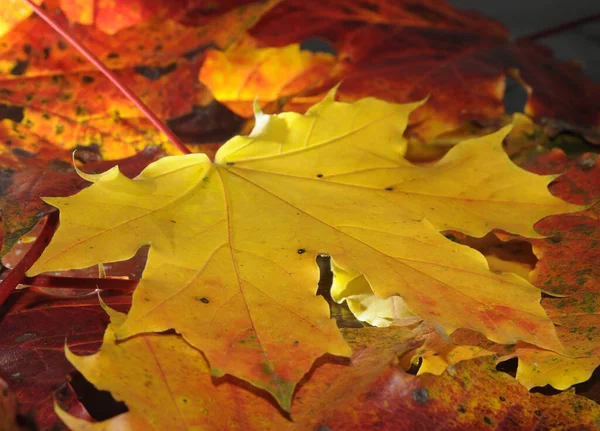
(166, 384)
(231, 265)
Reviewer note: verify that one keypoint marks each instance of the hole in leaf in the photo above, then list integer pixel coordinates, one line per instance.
(414, 367)
(99, 404)
(509, 367)
(515, 96)
(340, 312)
(315, 44)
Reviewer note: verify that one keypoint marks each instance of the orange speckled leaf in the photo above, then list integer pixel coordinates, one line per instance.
(568, 258)
(166, 384)
(57, 95)
(568, 265)
(373, 392)
(245, 73)
(403, 51)
(438, 353)
(578, 320)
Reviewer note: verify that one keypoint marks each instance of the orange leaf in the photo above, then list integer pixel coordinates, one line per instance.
(403, 51)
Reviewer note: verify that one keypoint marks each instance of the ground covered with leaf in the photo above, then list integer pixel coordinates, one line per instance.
(395, 250)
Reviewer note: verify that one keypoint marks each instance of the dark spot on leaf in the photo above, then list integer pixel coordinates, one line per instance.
(29, 97)
(502, 398)
(173, 221)
(66, 96)
(230, 163)
(389, 189)
(5, 92)
(112, 55)
(301, 251)
(201, 299)
(19, 68)
(296, 342)
(47, 51)
(555, 239)
(461, 409)
(537, 413)
(487, 420)
(62, 45)
(87, 79)
(421, 395)
(194, 53)
(14, 113)
(319, 175)
(154, 73)
(80, 111)
(59, 129)
(27, 49)
(20, 152)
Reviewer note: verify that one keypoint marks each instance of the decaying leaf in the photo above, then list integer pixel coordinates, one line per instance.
(567, 265)
(166, 383)
(231, 263)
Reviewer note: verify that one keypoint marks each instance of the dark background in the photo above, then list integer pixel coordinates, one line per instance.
(524, 17)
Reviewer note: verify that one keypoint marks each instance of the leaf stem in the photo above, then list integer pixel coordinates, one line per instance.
(80, 283)
(111, 77)
(17, 275)
(560, 28)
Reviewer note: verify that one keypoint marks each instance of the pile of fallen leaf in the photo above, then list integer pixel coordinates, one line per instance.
(192, 290)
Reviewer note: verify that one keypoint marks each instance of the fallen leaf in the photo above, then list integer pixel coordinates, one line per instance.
(577, 320)
(21, 189)
(245, 73)
(34, 327)
(567, 266)
(405, 51)
(374, 392)
(166, 384)
(153, 374)
(50, 96)
(568, 256)
(233, 244)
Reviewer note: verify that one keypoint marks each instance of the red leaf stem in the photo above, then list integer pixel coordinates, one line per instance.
(561, 28)
(80, 283)
(111, 76)
(17, 275)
